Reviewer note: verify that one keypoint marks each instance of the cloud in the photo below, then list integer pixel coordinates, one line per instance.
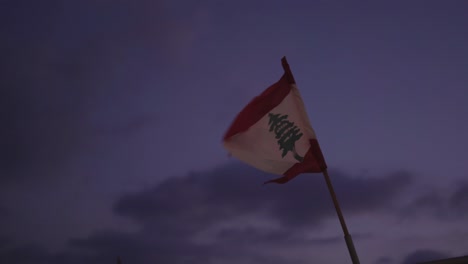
(3, 242)
(424, 255)
(257, 235)
(25, 255)
(184, 207)
(3, 211)
(226, 215)
(432, 203)
(440, 204)
(459, 199)
(384, 260)
(233, 190)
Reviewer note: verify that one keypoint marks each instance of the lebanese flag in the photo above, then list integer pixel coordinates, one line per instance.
(273, 133)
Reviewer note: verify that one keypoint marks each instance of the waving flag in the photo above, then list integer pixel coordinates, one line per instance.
(273, 133)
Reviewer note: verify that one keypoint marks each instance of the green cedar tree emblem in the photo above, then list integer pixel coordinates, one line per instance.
(287, 134)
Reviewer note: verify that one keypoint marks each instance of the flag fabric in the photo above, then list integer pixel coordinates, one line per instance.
(273, 134)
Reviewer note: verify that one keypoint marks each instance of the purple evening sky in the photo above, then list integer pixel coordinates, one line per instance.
(112, 114)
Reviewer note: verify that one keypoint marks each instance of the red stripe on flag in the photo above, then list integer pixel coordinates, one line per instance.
(259, 107)
(313, 162)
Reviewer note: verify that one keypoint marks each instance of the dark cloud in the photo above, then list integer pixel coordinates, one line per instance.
(140, 249)
(3, 243)
(432, 203)
(424, 255)
(459, 199)
(136, 248)
(3, 211)
(182, 207)
(25, 255)
(4, 218)
(256, 235)
(442, 205)
(384, 260)
(203, 198)
(34, 254)
(183, 219)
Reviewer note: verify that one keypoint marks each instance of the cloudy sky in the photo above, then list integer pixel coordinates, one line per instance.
(112, 114)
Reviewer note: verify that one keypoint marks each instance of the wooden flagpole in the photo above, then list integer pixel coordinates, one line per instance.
(347, 236)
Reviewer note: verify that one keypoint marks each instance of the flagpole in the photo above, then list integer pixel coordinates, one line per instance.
(347, 236)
